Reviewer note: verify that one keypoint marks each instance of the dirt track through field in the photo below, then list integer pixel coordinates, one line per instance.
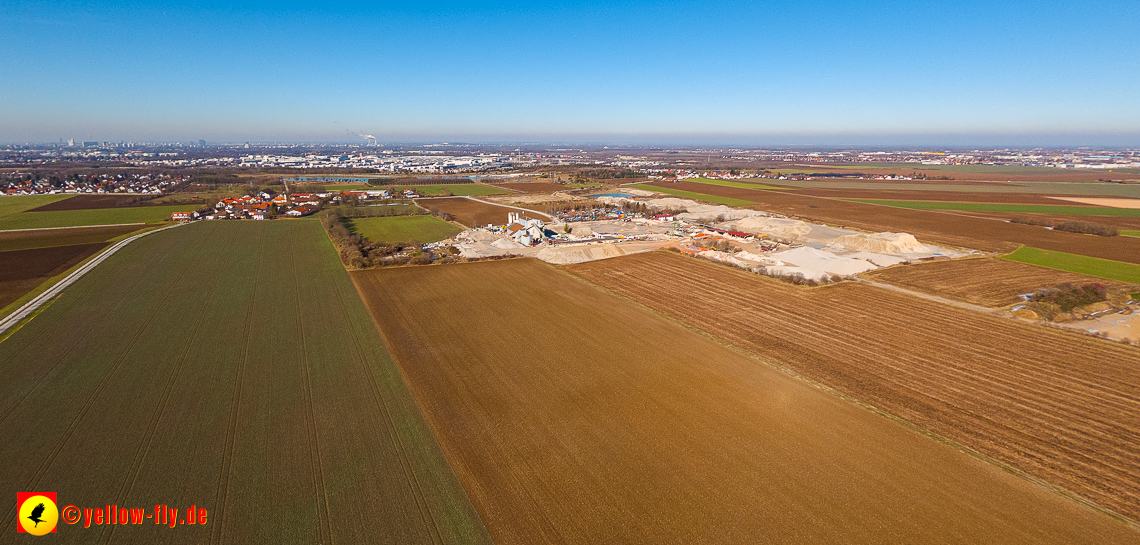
(956, 229)
(985, 281)
(472, 212)
(1060, 406)
(574, 416)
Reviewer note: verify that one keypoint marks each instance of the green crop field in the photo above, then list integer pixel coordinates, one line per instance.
(455, 189)
(729, 201)
(14, 205)
(232, 366)
(1092, 266)
(727, 183)
(1016, 208)
(99, 216)
(402, 228)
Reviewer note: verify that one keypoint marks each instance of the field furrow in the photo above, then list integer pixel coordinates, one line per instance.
(572, 415)
(1062, 407)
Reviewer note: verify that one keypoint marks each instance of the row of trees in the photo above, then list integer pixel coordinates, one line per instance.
(1083, 227)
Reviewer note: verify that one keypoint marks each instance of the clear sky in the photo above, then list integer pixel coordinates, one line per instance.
(812, 72)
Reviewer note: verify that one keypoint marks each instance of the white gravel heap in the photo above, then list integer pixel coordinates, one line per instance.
(880, 243)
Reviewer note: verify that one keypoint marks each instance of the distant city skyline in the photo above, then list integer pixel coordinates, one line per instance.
(702, 73)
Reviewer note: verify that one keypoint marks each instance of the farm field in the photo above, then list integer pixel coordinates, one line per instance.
(455, 189)
(23, 270)
(986, 281)
(537, 187)
(991, 173)
(1130, 232)
(87, 202)
(1025, 185)
(10, 205)
(937, 195)
(611, 424)
(939, 227)
(742, 185)
(1016, 208)
(401, 228)
(45, 238)
(471, 213)
(1057, 405)
(1080, 264)
(99, 216)
(668, 188)
(232, 366)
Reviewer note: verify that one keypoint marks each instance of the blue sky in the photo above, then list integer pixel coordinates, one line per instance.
(698, 72)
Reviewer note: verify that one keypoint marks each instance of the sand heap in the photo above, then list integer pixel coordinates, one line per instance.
(881, 260)
(507, 244)
(635, 192)
(581, 230)
(813, 263)
(579, 254)
(477, 235)
(779, 227)
(758, 258)
(880, 243)
(723, 257)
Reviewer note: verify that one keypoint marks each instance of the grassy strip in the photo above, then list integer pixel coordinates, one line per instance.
(1129, 233)
(738, 185)
(101, 216)
(14, 205)
(401, 228)
(992, 207)
(729, 201)
(1092, 266)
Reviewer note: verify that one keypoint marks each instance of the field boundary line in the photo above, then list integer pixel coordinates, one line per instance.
(410, 473)
(961, 447)
(76, 227)
(31, 306)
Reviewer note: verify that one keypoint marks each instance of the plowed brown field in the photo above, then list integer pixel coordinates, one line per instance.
(23, 270)
(929, 225)
(470, 213)
(88, 202)
(1057, 405)
(935, 195)
(983, 281)
(44, 238)
(574, 416)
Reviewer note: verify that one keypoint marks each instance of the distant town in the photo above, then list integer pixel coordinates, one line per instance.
(475, 158)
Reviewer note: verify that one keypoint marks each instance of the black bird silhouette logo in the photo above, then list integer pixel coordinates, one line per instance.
(35, 516)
